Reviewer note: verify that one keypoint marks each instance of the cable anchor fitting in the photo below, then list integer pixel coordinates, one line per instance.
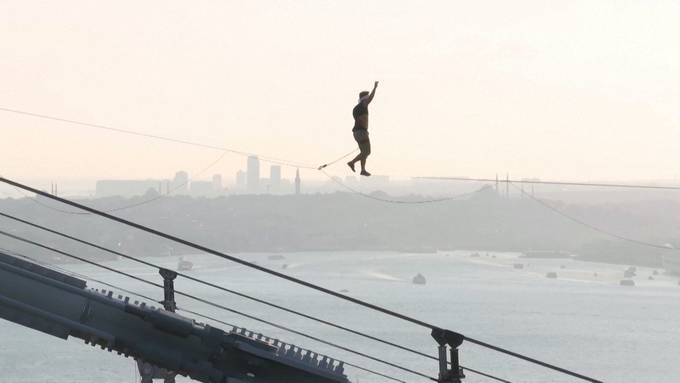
(168, 289)
(451, 340)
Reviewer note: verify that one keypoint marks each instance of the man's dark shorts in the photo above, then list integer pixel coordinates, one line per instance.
(361, 137)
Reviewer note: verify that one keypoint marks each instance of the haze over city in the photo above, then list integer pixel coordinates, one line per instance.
(560, 91)
(511, 214)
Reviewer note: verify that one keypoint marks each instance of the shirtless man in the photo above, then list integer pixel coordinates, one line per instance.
(360, 130)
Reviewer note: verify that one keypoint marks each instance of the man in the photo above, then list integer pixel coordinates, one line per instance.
(360, 130)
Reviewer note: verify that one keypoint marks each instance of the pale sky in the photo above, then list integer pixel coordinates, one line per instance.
(571, 90)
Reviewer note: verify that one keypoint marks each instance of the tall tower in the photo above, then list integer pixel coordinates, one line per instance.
(297, 182)
(253, 176)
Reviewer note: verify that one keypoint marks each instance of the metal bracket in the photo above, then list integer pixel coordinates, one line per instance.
(453, 340)
(169, 289)
(147, 371)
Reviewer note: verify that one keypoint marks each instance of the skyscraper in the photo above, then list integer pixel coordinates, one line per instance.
(297, 182)
(253, 176)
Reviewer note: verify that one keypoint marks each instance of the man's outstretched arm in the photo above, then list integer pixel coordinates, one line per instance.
(370, 96)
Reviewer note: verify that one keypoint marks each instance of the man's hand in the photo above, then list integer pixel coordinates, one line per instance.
(370, 96)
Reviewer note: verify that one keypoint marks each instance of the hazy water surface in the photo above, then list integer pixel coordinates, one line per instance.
(581, 321)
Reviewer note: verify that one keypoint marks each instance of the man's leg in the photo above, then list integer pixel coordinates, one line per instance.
(356, 159)
(358, 137)
(365, 148)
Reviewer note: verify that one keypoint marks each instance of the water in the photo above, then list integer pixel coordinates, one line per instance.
(579, 321)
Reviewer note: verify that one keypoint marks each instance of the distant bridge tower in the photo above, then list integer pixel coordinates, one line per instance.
(297, 182)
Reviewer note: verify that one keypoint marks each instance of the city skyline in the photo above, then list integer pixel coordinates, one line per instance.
(369, 184)
(249, 182)
(578, 101)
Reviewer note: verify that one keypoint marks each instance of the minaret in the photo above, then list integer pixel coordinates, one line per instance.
(297, 182)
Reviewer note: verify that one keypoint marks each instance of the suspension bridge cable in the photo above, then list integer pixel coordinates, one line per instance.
(538, 182)
(92, 279)
(140, 295)
(290, 278)
(134, 293)
(590, 226)
(220, 254)
(210, 303)
(197, 280)
(273, 160)
(395, 201)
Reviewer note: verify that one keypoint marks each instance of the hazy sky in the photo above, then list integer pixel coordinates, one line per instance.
(550, 89)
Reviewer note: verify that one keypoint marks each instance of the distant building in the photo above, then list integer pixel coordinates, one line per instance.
(253, 176)
(241, 179)
(298, 182)
(180, 184)
(126, 188)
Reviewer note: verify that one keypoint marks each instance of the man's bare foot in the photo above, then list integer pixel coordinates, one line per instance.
(365, 173)
(351, 166)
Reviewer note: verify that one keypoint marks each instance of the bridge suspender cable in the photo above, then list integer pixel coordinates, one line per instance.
(209, 284)
(291, 279)
(193, 297)
(218, 253)
(197, 314)
(197, 280)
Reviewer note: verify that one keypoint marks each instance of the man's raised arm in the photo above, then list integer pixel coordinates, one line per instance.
(370, 96)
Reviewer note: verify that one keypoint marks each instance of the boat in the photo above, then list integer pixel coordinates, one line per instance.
(419, 279)
(671, 262)
(627, 282)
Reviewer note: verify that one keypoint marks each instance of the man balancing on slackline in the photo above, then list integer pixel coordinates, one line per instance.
(360, 130)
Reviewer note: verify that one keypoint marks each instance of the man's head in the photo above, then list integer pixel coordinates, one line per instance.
(363, 94)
